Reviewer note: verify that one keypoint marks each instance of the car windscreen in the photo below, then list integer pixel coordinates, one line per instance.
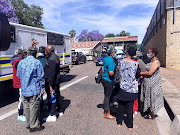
(104, 56)
(74, 52)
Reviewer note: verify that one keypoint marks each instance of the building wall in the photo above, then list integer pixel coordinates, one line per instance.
(158, 41)
(173, 41)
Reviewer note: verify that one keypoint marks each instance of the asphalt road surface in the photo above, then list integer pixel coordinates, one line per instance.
(83, 99)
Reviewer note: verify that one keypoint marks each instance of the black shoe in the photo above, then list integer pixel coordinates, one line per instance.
(36, 129)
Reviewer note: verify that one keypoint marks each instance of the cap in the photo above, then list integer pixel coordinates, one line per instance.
(42, 49)
(20, 50)
(110, 50)
(32, 50)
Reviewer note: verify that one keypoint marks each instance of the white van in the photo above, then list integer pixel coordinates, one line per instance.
(22, 35)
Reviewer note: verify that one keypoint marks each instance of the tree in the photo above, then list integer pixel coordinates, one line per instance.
(8, 10)
(123, 33)
(110, 35)
(90, 36)
(73, 34)
(26, 15)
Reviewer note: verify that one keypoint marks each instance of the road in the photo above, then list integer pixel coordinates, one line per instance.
(83, 114)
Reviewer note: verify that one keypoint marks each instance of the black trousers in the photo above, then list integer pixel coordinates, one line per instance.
(125, 107)
(108, 88)
(59, 98)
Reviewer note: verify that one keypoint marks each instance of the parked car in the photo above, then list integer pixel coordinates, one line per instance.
(78, 57)
(89, 57)
(100, 60)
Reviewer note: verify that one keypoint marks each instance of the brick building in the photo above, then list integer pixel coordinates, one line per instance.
(163, 33)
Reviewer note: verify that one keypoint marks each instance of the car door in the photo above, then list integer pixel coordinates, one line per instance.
(80, 57)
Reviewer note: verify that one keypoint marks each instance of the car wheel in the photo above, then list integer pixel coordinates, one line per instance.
(97, 64)
(77, 62)
(85, 61)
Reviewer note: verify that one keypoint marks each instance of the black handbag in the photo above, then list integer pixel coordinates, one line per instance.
(98, 76)
(116, 79)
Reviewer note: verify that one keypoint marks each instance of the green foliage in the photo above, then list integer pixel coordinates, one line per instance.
(110, 35)
(122, 33)
(73, 34)
(31, 16)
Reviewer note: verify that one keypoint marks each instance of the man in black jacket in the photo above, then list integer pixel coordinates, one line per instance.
(52, 75)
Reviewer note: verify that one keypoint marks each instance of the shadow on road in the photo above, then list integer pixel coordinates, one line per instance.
(45, 111)
(67, 78)
(8, 94)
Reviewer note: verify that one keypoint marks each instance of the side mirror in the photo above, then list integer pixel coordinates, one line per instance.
(5, 32)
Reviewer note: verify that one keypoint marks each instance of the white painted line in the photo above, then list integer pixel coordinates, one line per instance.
(68, 85)
(8, 114)
(62, 88)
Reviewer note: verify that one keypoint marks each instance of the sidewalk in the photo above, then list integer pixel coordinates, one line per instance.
(171, 92)
(173, 76)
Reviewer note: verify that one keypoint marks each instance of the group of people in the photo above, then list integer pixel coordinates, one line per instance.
(134, 82)
(37, 73)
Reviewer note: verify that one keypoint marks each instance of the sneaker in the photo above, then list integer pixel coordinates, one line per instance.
(21, 118)
(61, 114)
(51, 118)
(135, 112)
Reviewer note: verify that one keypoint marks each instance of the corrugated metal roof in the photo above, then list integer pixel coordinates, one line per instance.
(88, 44)
(122, 38)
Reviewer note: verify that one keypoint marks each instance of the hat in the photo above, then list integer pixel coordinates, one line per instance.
(111, 50)
(138, 53)
(42, 49)
(32, 49)
(20, 50)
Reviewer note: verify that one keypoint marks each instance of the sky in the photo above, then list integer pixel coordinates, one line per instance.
(107, 16)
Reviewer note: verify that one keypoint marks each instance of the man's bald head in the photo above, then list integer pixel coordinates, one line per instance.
(49, 49)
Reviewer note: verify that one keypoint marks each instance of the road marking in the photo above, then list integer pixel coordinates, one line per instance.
(62, 88)
(68, 85)
(8, 114)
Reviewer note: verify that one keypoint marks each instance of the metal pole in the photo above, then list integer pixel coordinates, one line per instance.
(174, 13)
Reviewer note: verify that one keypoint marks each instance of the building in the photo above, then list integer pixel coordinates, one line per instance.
(163, 33)
(88, 47)
(120, 43)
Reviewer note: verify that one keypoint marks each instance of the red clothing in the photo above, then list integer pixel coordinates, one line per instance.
(135, 107)
(16, 80)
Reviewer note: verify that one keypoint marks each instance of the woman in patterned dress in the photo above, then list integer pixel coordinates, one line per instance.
(152, 89)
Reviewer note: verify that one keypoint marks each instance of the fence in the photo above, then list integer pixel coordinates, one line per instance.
(162, 7)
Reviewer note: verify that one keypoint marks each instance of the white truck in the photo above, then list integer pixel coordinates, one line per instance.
(22, 35)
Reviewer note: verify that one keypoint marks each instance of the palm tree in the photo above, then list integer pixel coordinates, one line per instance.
(73, 34)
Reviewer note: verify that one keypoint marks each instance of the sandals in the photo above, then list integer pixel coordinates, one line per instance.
(150, 117)
(134, 127)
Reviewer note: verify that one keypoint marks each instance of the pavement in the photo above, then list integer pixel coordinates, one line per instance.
(84, 113)
(171, 91)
